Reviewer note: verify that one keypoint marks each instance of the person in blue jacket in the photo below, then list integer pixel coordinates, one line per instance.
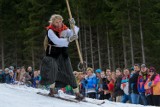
(142, 78)
(36, 79)
(2, 77)
(90, 83)
(7, 76)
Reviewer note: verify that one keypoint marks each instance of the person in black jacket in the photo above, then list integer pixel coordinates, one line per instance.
(133, 90)
(103, 91)
(117, 90)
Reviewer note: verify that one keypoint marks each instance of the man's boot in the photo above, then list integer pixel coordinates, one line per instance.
(79, 96)
(52, 90)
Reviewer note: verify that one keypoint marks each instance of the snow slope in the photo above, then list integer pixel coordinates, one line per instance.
(22, 96)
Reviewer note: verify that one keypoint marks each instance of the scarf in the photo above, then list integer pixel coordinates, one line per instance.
(144, 75)
(59, 30)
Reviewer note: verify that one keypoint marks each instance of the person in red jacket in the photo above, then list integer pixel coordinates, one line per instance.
(110, 85)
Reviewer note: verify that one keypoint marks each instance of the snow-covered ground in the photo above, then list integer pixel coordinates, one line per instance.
(22, 96)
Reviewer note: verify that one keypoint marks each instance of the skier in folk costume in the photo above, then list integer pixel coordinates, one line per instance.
(56, 67)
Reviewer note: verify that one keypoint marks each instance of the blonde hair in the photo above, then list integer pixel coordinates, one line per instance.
(89, 68)
(54, 17)
(79, 73)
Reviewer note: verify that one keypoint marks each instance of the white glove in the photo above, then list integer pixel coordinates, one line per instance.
(72, 21)
(72, 38)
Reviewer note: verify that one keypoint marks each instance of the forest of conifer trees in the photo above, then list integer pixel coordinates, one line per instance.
(113, 33)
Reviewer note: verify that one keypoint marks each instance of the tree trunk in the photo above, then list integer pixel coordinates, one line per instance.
(16, 56)
(141, 33)
(130, 33)
(91, 45)
(1, 39)
(33, 59)
(85, 44)
(79, 35)
(113, 57)
(124, 48)
(99, 52)
(2, 51)
(108, 49)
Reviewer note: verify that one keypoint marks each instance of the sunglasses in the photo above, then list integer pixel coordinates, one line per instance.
(151, 71)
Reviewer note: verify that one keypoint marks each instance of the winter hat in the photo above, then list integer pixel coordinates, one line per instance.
(6, 69)
(98, 70)
(11, 68)
(132, 68)
(152, 69)
(10, 71)
(143, 66)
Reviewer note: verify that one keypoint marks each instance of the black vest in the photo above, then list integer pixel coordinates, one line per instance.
(55, 52)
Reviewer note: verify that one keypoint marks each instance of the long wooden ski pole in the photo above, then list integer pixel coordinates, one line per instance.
(72, 27)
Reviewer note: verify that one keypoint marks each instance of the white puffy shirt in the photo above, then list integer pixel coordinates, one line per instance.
(61, 42)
